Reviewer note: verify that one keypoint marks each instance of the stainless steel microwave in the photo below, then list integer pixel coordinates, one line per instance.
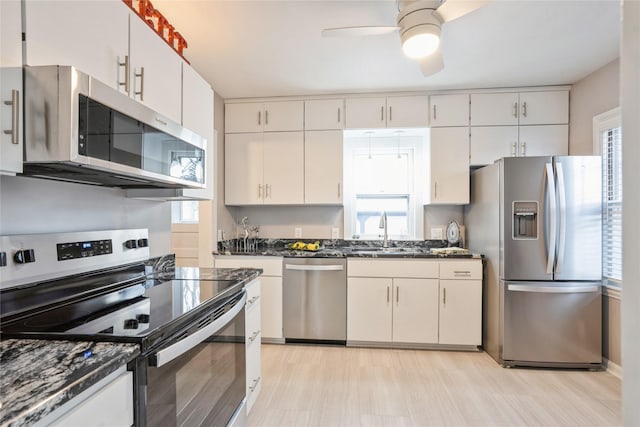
(78, 129)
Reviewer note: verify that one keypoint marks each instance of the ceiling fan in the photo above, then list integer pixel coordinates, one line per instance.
(419, 24)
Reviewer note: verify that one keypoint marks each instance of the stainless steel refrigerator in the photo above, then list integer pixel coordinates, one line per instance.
(538, 222)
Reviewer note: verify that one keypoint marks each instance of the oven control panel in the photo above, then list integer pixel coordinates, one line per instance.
(84, 249)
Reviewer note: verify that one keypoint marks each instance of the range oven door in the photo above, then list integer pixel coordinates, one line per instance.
(200, 379)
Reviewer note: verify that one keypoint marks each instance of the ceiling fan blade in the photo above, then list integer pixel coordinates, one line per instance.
(431, 64)
(453, 9)
(358, 31)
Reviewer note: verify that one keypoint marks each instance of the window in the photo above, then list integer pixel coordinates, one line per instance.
(608, 142)
(185, 212)
(382, 175)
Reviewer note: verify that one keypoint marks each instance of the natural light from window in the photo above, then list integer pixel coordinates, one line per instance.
(383, 175)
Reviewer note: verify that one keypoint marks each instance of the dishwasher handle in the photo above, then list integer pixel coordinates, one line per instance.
(327, 267)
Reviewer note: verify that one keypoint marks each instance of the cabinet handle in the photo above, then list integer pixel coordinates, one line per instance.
(338, 114)
(523, 149)
(462, 273)
(267, 193)
(141, 92)
(253, 386)
(252, 300)
(444, 296)
(259, 118)
(397, 295)
(515, 109)
(339, 190)
(390, 113)
(259, 191)
(254, 336)
(125, 64)
(387, 295)
(524, 109)
(435, 190)
(434, 112)
(266, 117)
(15, 117)
(514, 151)
(382, 113)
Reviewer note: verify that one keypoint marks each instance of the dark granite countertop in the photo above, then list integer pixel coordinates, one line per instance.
(342, 249)
(40, 376)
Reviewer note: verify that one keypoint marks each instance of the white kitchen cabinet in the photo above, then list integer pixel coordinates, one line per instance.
(549, 140)
(415, 310)
(275, 116)
(92, 36)
(489, 143)
(449, 110)
(156, 71)
(384, 305)
(460, 302)
(448, 175)
(323, 167)
(494, 109)
(324, 114)
(270, 291)
(264, 168)
(107, 403)
(369, 309)
(523, 108)
(253, 340)
(391, 112)
(11, 93)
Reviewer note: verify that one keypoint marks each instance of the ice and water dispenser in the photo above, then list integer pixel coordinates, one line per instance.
(525, 220)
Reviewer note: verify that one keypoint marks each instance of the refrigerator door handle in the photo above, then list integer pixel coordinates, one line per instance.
(551, 241)
(562, 202)
(555, 289)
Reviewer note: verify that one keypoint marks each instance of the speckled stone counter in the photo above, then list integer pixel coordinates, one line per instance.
(39, 376)
(342, 249)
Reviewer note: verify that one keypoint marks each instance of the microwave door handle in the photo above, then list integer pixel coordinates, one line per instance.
(176, 350)
(551, 214)
(562, 208)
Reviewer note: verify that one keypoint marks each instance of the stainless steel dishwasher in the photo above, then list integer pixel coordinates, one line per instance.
(315, 300)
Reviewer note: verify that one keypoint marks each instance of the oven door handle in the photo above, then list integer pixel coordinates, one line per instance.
(176, 350)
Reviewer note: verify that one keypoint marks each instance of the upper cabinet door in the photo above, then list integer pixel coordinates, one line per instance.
(544, 108)
(494, 109)
(366, 113)
(324, 114)
(244, 117)
(10, 33)
(156, 71)
(546, 140)
(489, 143)
(449, 110)
(244, 167)
(284, 168)
(323, 167)
(283, 116)
(93, 36)
(449, 171)
(407, 111)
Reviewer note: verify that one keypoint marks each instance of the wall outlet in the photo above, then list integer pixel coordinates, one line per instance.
(437, 233)
(297, 232)
(335, 233)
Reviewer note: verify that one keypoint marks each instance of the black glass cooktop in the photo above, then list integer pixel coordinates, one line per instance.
(134, 310)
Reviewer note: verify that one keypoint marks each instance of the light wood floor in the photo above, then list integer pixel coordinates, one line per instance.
(338, 386)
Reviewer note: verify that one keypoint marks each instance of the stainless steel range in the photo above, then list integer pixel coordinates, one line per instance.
(102, 286)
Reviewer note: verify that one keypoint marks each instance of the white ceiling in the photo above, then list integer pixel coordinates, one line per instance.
(274, 48)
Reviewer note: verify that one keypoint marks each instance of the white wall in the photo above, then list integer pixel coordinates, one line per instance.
(596, 93)
(30, 205)
(630, 97)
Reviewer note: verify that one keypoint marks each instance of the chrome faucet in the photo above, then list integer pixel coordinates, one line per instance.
(383, 224)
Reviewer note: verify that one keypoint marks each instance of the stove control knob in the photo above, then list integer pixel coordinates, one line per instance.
(3, 259)
(143, 243)
(24, 256)
(143, 318)
(131, 324)
(130, 244)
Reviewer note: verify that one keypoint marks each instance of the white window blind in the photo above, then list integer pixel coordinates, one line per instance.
(612, 203)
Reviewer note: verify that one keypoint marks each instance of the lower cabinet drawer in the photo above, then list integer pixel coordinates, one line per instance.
(461, 270)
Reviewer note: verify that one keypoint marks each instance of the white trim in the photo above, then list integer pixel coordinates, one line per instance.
(612, 291)
(612, 368)
(607, 120)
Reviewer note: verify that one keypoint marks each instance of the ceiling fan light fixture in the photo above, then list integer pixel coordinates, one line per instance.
(421, 41)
